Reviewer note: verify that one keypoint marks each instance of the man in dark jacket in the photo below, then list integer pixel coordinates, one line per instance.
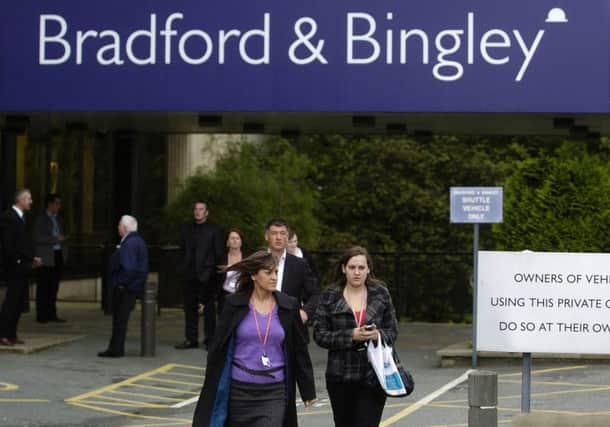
(203, 247)
(128, 274)
(18, 259)
(51, 248)
(294, 276)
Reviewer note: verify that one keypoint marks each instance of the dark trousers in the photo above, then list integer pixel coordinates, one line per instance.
(46, 289)
(14, 302)
(355, 405)
(123, 303)
(192, 291)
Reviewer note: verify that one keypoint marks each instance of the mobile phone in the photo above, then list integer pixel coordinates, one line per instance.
(369, 327)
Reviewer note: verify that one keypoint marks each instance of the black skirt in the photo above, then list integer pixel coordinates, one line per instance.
(257, 405)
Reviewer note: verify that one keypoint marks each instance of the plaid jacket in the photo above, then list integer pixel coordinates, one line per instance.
(333, 326)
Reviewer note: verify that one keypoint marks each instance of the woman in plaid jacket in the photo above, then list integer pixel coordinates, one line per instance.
(351, 311)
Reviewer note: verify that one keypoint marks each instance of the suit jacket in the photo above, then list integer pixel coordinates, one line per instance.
(129, 263)
(203, 251)
(17, 247)
(300, 282)
(45, 240)
(212, 407)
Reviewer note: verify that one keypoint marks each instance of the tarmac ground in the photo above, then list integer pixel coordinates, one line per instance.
(56, 379)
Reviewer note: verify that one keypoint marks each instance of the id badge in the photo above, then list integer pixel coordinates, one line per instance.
(265, 361)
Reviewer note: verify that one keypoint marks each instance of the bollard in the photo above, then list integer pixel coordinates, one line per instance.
(149, 306)
(482, 399)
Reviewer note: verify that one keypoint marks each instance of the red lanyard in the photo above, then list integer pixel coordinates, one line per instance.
(267, 329)
(362, 316)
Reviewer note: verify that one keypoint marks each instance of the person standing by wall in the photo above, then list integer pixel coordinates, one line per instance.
(18, 260)
(354, 309)
(203, 249)
(258, 355)
(128, 275)
(50, 247)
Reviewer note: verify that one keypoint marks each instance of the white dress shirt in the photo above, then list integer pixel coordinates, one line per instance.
(280, 271)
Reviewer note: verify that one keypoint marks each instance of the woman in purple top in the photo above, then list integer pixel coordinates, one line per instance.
(257, 356)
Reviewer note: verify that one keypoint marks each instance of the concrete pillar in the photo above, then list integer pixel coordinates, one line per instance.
(482, 399)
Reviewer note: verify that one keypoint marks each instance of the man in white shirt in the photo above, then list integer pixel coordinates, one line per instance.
(294, 277)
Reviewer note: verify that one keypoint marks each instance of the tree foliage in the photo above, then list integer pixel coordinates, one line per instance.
(251, 184)
(558, 200)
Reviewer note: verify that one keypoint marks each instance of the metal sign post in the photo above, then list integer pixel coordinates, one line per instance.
(475, 205)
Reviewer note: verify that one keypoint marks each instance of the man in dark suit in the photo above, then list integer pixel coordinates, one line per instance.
(294, 277)
(203, 249)
(49, 239)
(18, 257)
(128, 275)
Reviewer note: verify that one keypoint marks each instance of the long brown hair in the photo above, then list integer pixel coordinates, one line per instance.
(249, 266)
(338, 277)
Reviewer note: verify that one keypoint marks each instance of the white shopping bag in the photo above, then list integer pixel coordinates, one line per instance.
(381, 358)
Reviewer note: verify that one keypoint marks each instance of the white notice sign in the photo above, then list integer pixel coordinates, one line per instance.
(543, 302)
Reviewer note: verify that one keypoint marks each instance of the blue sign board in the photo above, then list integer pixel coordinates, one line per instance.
(277, 55)
(476, 205)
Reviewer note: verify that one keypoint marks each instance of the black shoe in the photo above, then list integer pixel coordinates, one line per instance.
(186, 344)
(109, 353)
(57, 320)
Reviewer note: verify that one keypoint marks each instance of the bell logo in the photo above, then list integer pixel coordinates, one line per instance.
(556, 16)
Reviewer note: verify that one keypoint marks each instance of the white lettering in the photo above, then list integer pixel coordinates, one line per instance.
(265, 34)
(114, 47)
(528, 52)
(152, 49)
(364, 38)
(58, 38)
(209, 47)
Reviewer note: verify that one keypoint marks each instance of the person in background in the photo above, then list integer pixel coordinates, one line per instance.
(202, 244)
(295, 278)
(294, 249)
(258, 354)
(128, 275)
(354, 309)
(18, 259)
(234, 254)
(50, 247)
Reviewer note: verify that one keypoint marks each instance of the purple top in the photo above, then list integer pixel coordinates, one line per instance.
(249, 348)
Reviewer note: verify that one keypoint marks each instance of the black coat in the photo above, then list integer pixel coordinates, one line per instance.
(203, 251)
(301, 283)
(213, 402)
(17, 246)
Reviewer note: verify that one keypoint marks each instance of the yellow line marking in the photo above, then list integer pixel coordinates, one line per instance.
(425, 400)
(192, 367)
(126, 405)
(162, 425)
(556, 383)
(153, 396)
(124, 383)
(152, 387)
(544, 371)
(137, 402)
(8, 387)
(184, 375)
(163, 380)
(24, 400)
(128, 414)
